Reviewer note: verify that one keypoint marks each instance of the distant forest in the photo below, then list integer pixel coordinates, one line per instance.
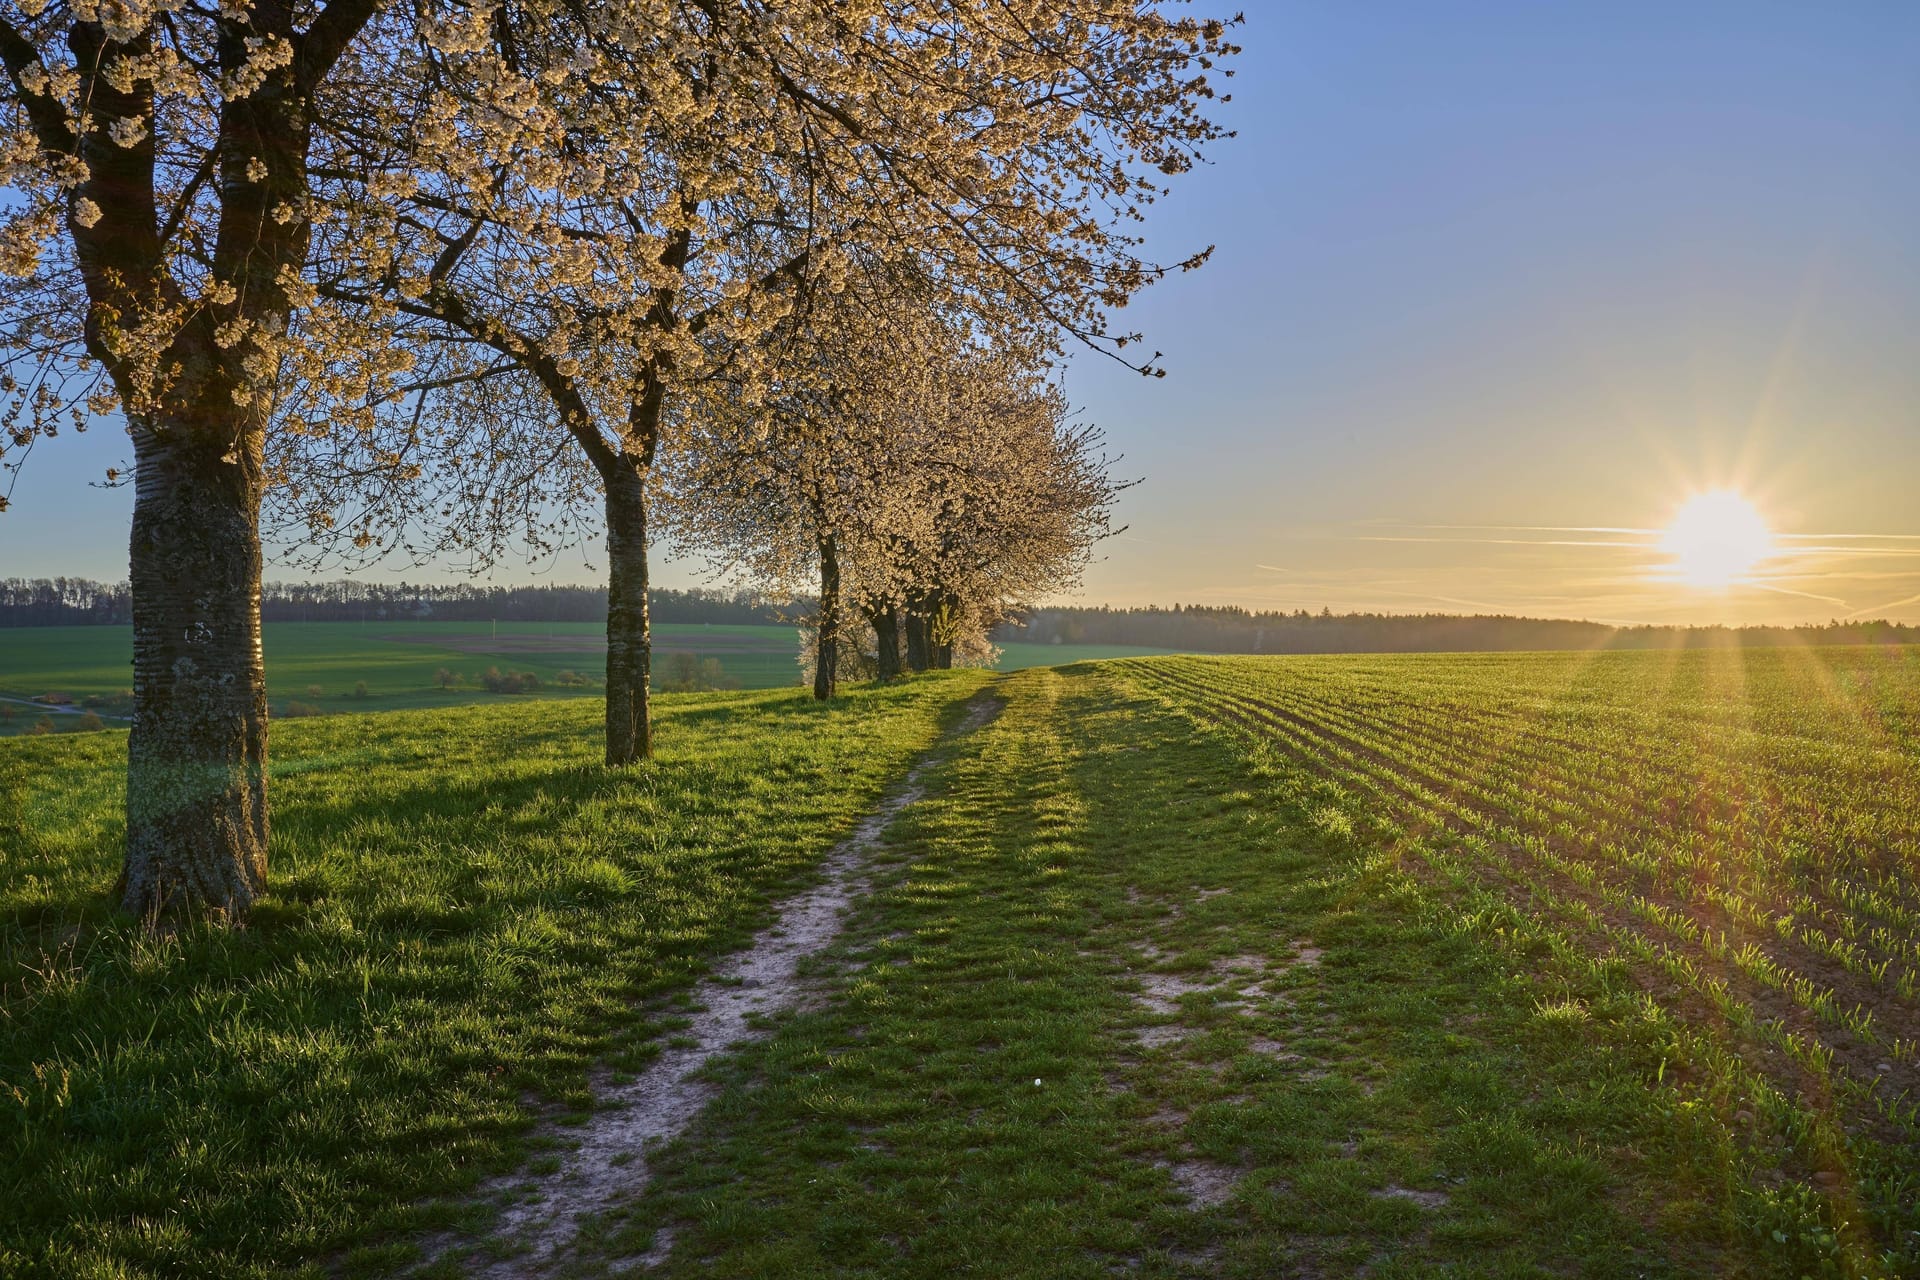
(51, 602)
(65, 602)
(1201, 629)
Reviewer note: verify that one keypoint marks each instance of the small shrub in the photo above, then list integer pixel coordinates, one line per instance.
(510, 682)
(679, 673)
(360, 688)
(570, 678)
(43, 725)
(314, 691)
(445, 678)
(294, 709)
(87, 721)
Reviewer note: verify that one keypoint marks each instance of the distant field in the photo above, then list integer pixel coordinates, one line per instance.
(400, 662)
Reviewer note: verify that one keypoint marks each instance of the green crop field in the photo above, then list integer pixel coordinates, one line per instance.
(322, 666)
(1477, 965)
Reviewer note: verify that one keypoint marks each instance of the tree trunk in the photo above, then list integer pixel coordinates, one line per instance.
(919, 653)
(197, 756)
(826, 642)
(629, 638)
(886, 629)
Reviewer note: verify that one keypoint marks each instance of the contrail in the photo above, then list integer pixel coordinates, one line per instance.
(1506, 542)
(1879, 608)
(1789, 591)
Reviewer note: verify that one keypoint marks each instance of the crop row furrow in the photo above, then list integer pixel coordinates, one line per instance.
(1555, 888)
(1484, 813)
(1668, 855)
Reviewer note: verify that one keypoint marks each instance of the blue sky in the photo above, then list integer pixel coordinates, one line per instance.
(1525, 267)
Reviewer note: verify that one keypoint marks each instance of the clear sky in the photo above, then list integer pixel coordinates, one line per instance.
(1495, 283)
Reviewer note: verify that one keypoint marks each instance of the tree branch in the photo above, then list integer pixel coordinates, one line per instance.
(326, 38)
(48, 117)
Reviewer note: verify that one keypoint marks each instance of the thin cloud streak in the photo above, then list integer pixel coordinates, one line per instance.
(1880, 608)
(1546, 575)
(1505, 542)
(1525, 528)
(1789, 591)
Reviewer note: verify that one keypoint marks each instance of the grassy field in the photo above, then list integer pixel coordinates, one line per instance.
(322, 666)
(1487, 965)
(467, 913)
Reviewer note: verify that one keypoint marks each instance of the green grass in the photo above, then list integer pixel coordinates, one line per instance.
(1232, 965)
(467, 911)
(1472, 965)
(980, 1100)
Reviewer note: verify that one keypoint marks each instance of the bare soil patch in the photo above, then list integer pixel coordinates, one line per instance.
(1202, 1182)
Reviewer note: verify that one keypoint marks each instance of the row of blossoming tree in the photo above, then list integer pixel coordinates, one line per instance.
(440, 275)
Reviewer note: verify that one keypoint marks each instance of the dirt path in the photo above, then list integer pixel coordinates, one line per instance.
(609, 1164)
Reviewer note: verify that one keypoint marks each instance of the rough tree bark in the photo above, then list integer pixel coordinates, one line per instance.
(826, 643)
(629, 637)
(886, 629)
(197, 756)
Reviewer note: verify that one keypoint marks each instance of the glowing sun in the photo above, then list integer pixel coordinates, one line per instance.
(1716, 538)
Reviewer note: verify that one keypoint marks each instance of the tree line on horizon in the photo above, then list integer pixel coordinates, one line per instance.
(787, 283)
(44, 602)
(63, 602)
(1229, 629)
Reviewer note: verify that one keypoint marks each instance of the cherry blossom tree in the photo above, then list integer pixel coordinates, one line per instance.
(156, 154)
(1015, 496)
(801, 488)
(951, 486)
